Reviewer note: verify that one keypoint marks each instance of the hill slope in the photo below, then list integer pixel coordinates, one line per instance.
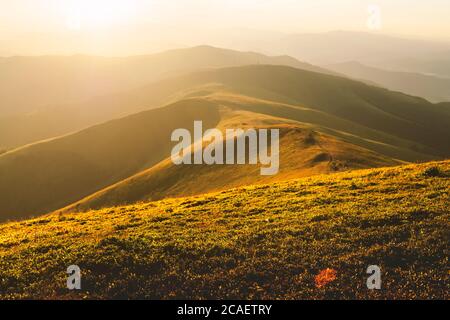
(80, 91)
(392, 119)
(437, 65)
(78, 78)
(432, 88)
(260, 242)
(53, 174)
(391, 113)
(304, 152)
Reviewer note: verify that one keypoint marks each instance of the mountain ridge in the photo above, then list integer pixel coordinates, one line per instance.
(305, 152)
(392, 125)
(433, 88)
(81, 90)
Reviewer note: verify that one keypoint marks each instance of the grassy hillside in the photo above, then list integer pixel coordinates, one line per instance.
(259, 242)
(404, 127)
(305, 152)
(349, 107)
(392, 113)
(346, 130)
(79, 91)
(433, 88)
(52, 174)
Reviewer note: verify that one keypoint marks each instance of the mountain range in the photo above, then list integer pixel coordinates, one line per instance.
(87, 178)
(433, 88)
(329, 123)
(81, 91)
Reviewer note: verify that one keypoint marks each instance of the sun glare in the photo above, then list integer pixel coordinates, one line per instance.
(88, 14)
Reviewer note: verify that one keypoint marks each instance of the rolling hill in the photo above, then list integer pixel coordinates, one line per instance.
(365, 47)
(430, 87)
(305, 152)
(361, 125)
(79, 78)
(387, 52)
(51, 174)
(436, 65)
(258, 242)
(421, 125)
(376, 114)
(80, 91)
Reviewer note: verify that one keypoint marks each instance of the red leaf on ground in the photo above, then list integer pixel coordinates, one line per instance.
(325, 276)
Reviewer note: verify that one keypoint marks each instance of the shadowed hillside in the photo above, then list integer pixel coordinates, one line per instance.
(390, 119)
(258, 242)
(78, 78)
(305, 152)
(381, 126)
(392, 113)
(359, 110)
(432, 88)
(437, 65)
(52, 174)
(80, 91)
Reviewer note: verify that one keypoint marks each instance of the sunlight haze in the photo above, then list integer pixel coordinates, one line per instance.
(106, 26)
(232, 150)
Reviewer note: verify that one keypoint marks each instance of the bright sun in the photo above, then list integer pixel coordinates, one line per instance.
(88, 14)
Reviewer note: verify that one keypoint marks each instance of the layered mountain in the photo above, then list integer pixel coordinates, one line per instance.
(51, 174)
(435, 65)
(365, 47)
(327, 123)
(80, 91)
(433, 88)
(305, 151)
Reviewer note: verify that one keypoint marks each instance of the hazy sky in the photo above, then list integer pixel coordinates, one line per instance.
(425, 19)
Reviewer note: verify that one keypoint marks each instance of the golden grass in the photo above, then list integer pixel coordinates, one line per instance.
(258, 242)
(305, 152)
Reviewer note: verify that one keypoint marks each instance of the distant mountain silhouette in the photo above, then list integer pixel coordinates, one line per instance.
(433, 88)
(72, 97)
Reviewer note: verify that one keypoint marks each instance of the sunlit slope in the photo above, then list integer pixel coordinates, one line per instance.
(405, 127)
(52, 174)
(42, 97)
(421, 125)
(347, 130)
(409, 118)
(304, 152)
(402, 126)
(259, 242)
